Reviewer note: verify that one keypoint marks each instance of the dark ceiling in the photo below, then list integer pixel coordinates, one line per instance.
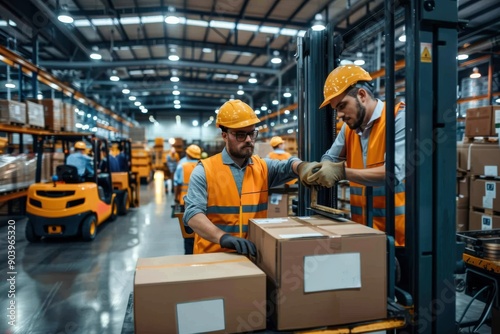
(220, 44)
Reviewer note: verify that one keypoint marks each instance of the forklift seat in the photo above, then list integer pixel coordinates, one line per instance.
(68, 174)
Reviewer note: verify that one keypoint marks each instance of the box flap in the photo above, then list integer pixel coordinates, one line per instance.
(296, 232)
(318, 220)
(350, 230)
(177, 268)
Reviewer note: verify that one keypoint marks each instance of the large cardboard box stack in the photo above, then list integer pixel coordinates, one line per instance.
(137, 133)
(216, 293)
(12, 112)
(484, 197)
(69, 117)
(35, 112)
(321, 272)
(54, 114)
(482, 121)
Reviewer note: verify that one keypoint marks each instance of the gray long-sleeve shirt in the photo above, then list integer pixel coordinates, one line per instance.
(278, 172)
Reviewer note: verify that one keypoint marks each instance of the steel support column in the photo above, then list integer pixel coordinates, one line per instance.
(431, 79)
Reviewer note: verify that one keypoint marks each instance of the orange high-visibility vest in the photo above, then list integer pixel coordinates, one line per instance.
(187, 169)
(226, 208)
(282, 156)
(375, 157)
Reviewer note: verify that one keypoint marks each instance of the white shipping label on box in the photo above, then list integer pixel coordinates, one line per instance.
(332, 272)
(487, 202)
(200, 316)
(490, 170)
(486, 222)
(269, 220)
(490, 189)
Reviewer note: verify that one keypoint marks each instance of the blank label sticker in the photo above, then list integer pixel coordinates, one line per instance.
(332, 272)
(201, 316)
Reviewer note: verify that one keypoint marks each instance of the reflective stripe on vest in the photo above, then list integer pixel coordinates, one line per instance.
(224, 202)
(375, 157)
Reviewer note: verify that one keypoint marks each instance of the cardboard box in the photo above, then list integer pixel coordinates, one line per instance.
(35, 114)
(216, 293)
(318, 274)
(54, 114)
(462, 219)
(483, 221)
(277, 205)
(463, 153)
(485, 194)
(482, 121)
(12, 112)
(485, 159)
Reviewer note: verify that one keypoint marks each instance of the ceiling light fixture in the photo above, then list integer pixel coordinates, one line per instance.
(252, 78)
(39, 96)
(275, 102)
(240, 90)
(462, 57)
(114, 77)
(475, 73)
(95, 53)
(176, 91)
(126, 91)
(287, 93)
(64, 16)
(10, 84)
(402, 38)
(177, 102)
(264, 107)
(318, 23)
(137, 103)
(171, 17)
(132, 98)
(177, 106)
(173, 55)
(359, 61)
(276, 59)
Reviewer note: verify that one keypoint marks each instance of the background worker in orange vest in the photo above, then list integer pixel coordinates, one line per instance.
(228, 189)
(358, 153)
(279, 152)
(181, 183)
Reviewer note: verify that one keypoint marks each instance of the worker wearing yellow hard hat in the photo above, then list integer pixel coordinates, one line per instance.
(358, 153)
(83, 163)
(279, 153)
(181, 184)
(228, 189)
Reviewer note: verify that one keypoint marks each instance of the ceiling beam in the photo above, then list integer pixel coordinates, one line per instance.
(221, 14)
(155, 62)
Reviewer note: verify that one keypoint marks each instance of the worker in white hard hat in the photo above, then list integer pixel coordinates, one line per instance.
(228, 189)
(83, 163)
(358, 153)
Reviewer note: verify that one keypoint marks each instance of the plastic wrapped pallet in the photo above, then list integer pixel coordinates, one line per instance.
(12, 112)
(36, 117)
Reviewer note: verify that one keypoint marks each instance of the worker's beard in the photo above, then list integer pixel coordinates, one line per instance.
(244, 152)
(360, 114)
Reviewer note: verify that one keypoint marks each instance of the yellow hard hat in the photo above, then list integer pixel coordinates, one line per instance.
(194, 151)
(342, 78)
(236, 114)
(275, 141)
(80, 145)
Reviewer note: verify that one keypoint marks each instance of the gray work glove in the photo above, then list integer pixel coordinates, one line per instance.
(242, 246)
(328, 174)
(305, 170)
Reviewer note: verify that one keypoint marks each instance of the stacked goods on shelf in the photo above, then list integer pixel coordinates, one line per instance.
(141, 162)
(54, 114)
(137, 134)
(462, 187)
(484, 195)
(12, 112)
(482, 121)
(69, 117)
(17, 171)
(35, 112)
(343, 196)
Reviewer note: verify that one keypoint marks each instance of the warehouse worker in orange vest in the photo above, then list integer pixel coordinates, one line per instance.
(279, 153)
(181, 183)
(228, 189)
(358, 153)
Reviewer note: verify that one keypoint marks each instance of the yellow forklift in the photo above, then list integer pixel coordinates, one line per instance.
(125, 180)
(69, 205)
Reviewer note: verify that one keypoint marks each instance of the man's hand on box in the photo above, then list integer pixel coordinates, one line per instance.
(242, 246)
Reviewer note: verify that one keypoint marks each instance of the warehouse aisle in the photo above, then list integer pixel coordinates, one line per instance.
(71, 286)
